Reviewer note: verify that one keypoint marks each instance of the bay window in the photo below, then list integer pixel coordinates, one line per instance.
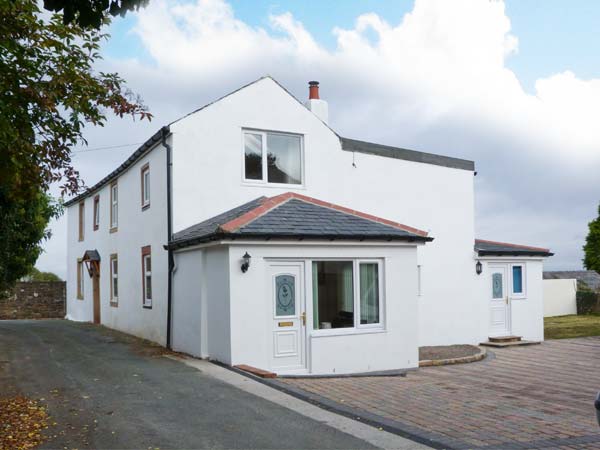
(346, 294)
(274, 158)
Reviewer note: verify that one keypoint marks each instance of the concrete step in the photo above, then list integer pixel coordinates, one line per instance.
(504, 339)
(508, 344)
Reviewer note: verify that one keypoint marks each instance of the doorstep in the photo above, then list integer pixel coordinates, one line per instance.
(507, 341)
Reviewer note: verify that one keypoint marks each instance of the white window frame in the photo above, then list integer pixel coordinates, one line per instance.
(264, 181)
(114, 275)
(81, 221)
(80, 276)
(114, 205)
(358, 328)
(419, 280)
(145, 186)
(518, 295)
(96, 212)
(146, 274)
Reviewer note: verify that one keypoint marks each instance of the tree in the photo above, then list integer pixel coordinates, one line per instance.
(22, 230)
(37, 275)
(49, 91)
(91, 13)
(591, 249)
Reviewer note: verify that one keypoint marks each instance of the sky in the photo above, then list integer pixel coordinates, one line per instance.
(513, 85)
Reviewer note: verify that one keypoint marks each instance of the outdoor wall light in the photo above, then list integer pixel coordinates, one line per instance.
(246, 262)
(478, 268)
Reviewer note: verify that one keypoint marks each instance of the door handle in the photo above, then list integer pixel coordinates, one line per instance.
(303, 315)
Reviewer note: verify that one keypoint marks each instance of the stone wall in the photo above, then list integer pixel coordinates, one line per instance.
(34, 300)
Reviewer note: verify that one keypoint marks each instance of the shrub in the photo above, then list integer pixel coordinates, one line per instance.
(587, 302)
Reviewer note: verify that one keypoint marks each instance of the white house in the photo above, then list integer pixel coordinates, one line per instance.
(252, 233)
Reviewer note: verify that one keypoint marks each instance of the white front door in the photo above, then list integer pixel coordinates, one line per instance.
(499, 304)
(288, 316)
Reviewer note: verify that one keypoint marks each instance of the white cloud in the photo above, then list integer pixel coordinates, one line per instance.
(437, 81)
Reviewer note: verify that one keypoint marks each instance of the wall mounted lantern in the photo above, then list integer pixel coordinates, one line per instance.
(246, 262)
(478, 268)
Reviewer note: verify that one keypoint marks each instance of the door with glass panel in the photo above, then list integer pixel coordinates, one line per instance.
(288, 316)
(500, 302)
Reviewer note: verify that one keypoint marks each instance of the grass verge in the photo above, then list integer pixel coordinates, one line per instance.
(572, 326)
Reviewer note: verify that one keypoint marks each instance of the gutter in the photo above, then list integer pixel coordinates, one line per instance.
(165, 132)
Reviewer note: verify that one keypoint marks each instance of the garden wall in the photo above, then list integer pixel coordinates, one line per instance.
(34, 300)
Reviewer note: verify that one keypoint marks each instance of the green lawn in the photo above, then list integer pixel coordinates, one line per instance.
(562, 327)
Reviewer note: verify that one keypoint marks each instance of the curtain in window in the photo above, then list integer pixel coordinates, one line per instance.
(315, 292)
(369, 294)
(347, 288)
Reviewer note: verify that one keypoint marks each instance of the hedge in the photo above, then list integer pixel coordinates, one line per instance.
(588, 302)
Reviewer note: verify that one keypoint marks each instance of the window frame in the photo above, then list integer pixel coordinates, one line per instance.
(145, 187)
(80, 277)
(114, 299)
(146, 253)
(114, 207)
(358, 328)
(265, 175)
(523, 293)
(96, 212)
(81, 221)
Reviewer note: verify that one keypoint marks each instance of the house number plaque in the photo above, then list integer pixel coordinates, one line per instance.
(285, 295)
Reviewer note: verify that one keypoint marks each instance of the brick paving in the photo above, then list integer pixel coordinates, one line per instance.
(522, 397)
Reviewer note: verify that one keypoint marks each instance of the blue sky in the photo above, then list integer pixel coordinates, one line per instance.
(554, 35)
(450, 81)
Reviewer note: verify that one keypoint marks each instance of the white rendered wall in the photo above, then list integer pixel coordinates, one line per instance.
(207, 180)
(187, 315)
(526, 312)
(252, 318)
(560, 297)
(218, 305)
(136, 228)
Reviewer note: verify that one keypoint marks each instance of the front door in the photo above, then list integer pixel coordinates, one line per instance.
(499, 304)
(288, 316)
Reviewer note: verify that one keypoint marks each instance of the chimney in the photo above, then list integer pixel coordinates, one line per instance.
(318, 107)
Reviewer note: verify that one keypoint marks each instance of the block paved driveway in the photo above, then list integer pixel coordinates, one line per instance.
(539, 396)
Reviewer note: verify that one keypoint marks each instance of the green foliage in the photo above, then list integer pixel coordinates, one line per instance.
(591, 249)
(49, 91)
(587, 302)
(22, 230)
(91, 12)
(36, 275)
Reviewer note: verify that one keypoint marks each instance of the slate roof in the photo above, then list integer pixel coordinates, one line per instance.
(295, 216)
(589, 277)
(493, 248)
(352, 145)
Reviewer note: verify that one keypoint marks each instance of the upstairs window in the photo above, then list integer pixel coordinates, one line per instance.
(145, 179)
(274, 158)
(147, 277)
(96, 212)
(81, 220)
(114, 206)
